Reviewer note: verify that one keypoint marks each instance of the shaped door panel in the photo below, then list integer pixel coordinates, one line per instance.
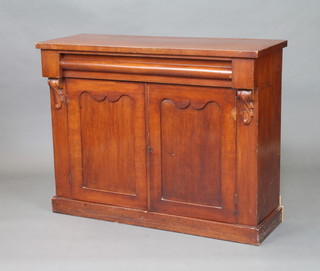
(107, 142)
(192, 163)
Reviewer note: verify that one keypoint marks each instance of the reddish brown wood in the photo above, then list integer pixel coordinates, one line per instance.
(193, 151)
(269, 80)
(181, 134)
(219, 230)
(247, 157)
(149, 78)
(149, 58)
(245, 48)
(107, 142)
(60, 140)
(215, 72)
(243, 73)
(51, 64)
(177, 70)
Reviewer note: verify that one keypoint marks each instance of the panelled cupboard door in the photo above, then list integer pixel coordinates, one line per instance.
(106, 122)
(192, 151)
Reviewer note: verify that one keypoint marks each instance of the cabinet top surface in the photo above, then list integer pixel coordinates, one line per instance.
(214, 47)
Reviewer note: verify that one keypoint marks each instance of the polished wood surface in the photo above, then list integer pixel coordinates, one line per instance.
(245, 48)
(219, 71)
(107, 141)
(180, 134)
(269, 127)
(60, 144)
(192, 165)
(202, 227)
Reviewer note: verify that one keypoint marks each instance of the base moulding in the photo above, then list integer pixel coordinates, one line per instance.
(212, 229)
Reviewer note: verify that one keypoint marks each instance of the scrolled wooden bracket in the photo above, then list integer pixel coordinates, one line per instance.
(246, 105)
(57, 87)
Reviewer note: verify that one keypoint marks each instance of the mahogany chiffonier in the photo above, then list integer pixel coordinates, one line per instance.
(180, 134)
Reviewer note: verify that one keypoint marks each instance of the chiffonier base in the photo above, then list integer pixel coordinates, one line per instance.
(225, 231)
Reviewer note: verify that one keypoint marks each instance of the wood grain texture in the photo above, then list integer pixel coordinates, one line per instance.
(107, 142)
(107, 148)
(181, 134)
(244, 48)
(148, 78)
(269, 127)
(51, 63)
(192, 164)
(60, 144)
(247, 168)
(212, 229)
(187, 176)
(153, 68)
(243, 73)
(157, 69)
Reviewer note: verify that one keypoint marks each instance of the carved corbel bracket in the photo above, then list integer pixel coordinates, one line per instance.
(56, 87)
(246, 105)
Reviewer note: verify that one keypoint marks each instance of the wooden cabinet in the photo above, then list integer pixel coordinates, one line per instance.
(180, 134)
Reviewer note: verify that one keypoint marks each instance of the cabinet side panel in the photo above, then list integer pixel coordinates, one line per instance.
(269, 80)
(60, 147)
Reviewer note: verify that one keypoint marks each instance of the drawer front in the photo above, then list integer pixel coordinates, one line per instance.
(155, 69)
(107, 142)
(192, 151)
